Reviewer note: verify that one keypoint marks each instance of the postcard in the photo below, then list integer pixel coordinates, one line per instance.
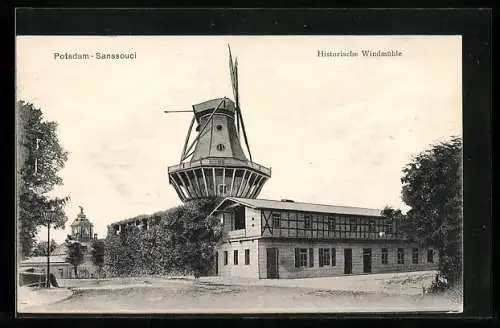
(239, 174)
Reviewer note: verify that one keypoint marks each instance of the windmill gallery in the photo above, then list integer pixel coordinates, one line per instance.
(272, 239)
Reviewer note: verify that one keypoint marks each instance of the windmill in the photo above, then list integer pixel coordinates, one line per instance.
(214, 164)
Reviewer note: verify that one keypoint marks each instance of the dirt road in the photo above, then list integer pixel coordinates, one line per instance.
(209, 297)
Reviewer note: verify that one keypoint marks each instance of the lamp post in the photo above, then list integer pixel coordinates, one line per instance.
(48, 218)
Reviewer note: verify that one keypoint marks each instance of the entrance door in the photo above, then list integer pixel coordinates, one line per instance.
(347, 260)
(272, 263)
(367, 260)
(216, 263)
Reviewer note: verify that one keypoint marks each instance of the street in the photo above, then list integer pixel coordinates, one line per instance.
(190, 296)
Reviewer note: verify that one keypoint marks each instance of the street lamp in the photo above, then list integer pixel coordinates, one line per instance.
(48, 216)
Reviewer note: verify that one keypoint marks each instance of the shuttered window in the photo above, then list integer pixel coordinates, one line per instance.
(414, 256)
(324, 256)
(300, 257)
(247, 256)
(311, 257)
(401, 256)
(334, 257)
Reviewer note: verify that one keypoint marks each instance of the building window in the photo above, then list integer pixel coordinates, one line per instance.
(247, 256)
(371, 225)
(221, 147)
(276, 220)
(311, 257)
(300, 257)
(222, 189)
(239, 218)
(387, 228)
(235, 257)
(430, 256)
(334, 257)
(324, 256)
(401, 256)
(218, 127)
(307, 222)
(353, 225)
(385, 256)
(331, 223)
(225, 257)
(414, 256)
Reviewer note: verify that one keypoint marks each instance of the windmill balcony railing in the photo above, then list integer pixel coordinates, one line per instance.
(211, 162)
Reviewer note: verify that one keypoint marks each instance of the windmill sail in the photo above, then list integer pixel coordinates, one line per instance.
(234, 86)
(215, 163)
(233, 69)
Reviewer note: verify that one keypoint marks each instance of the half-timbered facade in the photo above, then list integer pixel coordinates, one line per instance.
(286, 239)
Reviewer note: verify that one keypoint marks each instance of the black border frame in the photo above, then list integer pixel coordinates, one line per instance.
(473, 24)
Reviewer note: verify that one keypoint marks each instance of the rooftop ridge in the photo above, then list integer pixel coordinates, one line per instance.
(304, 203)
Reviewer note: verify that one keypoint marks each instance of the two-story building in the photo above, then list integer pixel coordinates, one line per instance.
(287, 239)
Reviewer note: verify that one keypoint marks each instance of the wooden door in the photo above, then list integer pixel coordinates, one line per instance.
(347, 260)
(272, 263)
(216, 263)
(367, 260)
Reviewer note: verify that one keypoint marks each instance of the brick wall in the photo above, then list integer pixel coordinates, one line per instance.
(287, 267)
(241, 269)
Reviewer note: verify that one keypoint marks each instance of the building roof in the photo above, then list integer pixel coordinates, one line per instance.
(225, 103)
(43, 260)
(302, 207)
(60, 250)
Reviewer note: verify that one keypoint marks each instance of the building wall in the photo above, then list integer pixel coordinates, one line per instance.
(252, 222)
(241, 269)
(64, 270)
(287, 267)
(292, 224)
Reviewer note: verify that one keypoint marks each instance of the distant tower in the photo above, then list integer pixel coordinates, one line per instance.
(82, 228)
(214, 163)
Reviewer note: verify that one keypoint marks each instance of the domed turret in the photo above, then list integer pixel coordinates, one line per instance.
(82, 228)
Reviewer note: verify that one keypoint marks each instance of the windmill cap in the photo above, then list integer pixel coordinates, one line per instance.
(210, 105)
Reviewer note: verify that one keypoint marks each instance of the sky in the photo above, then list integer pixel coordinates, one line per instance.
(334, 130)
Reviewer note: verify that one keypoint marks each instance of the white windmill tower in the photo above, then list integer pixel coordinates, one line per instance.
(214, 164)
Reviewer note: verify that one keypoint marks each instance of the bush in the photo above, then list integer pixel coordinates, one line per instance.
(183, 242)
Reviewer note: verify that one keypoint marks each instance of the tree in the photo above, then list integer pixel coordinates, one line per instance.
(75, 255)
(432, 187)
(180, 240)
(97, 254)
(40, 248)
(39, 159)
(195, 236)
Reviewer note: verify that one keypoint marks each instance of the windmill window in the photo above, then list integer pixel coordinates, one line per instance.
(218, 127)
(221, 147)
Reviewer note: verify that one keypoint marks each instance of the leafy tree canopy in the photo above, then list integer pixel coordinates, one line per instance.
(97, 253)
(432, 187)
(39, 159)
(40, 248)
(75, 255)
(180, 240)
